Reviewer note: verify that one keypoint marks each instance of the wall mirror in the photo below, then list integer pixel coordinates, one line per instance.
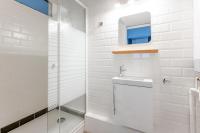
(135, 29)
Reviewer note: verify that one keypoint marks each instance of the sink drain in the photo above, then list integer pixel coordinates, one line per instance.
(61, 120)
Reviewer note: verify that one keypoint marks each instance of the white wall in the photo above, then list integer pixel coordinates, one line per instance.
(171, 33)
(196, 49)
(52, 58)
(196, 30)
(196, 36)
(72, 51)
(23, 61)
(72, 75)
(72, 66)
(52, 65)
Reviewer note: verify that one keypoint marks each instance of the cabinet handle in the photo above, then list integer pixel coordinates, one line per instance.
(114, 107)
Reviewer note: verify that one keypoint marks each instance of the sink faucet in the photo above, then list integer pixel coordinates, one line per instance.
(121, 70)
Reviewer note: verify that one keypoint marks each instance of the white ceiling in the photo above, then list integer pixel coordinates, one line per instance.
(91, 3)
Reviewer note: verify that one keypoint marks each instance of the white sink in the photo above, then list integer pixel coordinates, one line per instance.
(133, 81)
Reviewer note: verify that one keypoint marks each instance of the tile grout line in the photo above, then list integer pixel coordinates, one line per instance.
(27, 119)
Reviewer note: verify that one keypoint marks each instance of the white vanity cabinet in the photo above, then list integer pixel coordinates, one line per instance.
(133, 103)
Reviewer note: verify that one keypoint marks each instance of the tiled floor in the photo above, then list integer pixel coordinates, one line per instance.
(48, 122)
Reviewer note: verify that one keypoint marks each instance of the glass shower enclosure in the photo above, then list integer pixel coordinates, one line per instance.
(67, 67)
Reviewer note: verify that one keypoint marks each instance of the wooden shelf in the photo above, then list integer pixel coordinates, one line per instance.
(134, 51)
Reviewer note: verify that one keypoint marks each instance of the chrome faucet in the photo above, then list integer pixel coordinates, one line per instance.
(121, 70)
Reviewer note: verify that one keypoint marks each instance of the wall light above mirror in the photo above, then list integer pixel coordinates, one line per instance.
(135, 29)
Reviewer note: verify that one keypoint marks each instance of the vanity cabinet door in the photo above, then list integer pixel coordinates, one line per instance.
(134, 107)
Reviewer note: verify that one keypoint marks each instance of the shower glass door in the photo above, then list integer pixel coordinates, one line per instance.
(53, 68)
(72, 66)
(67, 67)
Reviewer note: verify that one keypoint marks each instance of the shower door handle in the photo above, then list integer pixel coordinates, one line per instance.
(114, 106)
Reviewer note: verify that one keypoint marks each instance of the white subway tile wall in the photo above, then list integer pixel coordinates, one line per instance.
(20, 35)
(23, 61)
(198, 117)
(53, 64)
(171, 33)
(72, 64)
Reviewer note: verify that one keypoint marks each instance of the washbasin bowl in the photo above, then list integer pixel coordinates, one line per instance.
(133, 81)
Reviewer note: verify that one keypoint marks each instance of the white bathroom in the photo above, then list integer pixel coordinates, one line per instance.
(100, 66)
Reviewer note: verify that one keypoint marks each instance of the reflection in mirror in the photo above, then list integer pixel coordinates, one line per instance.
(135, 29)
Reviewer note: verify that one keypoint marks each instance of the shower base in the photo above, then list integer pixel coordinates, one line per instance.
(48, 124)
